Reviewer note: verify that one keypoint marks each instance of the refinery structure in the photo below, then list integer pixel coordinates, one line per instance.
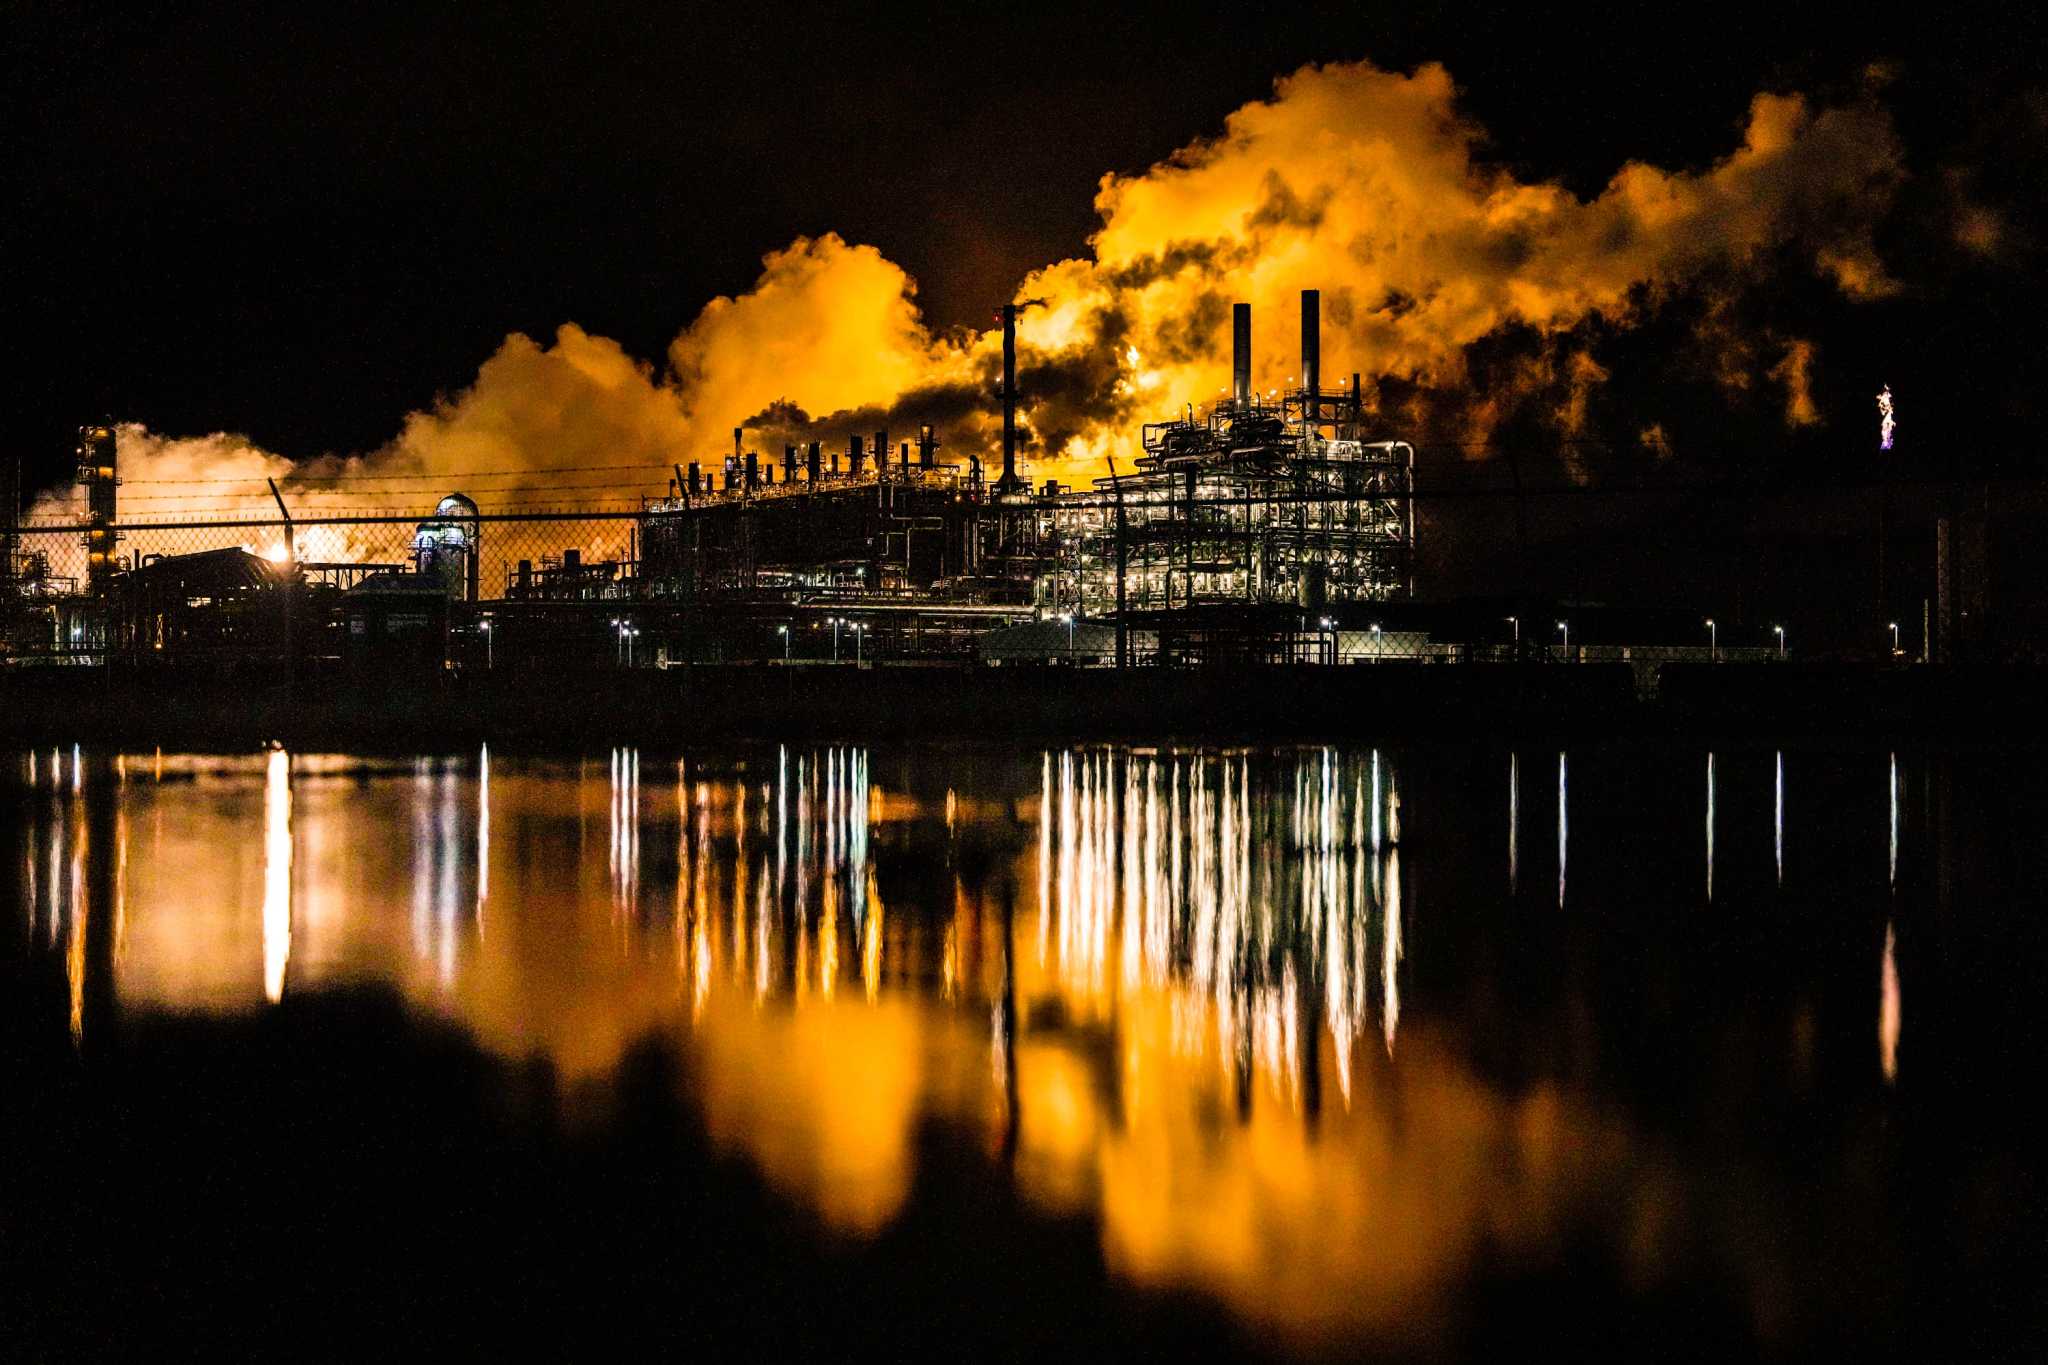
(1255, 520)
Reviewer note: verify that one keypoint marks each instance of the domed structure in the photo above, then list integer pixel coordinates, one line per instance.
(447, 544)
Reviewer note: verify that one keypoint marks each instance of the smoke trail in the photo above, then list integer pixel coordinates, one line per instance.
(1458, 291)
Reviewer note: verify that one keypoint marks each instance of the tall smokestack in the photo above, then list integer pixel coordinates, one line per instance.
(856, 458)
(1241, 354)
(789, 463)
(881, 452)
(1312, 353)
(813, 458)
(1009, 483)
(926, 445)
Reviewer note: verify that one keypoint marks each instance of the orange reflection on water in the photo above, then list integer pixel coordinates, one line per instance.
(1165, 986)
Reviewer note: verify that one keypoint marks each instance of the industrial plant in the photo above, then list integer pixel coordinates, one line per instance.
(1275, 527)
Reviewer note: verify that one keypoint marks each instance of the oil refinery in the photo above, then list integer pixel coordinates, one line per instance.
(1270, 528)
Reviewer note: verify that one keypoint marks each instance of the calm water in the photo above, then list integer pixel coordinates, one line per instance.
(1357, 1047)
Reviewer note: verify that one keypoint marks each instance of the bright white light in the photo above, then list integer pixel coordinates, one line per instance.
(277, 873)
(1887, 418)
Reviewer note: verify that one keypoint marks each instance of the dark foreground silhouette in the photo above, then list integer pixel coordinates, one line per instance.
(334, 1177)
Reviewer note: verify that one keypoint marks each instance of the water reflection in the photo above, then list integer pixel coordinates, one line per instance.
(1888, 1010)
(1778, 812)
(1140, 978)
(1892, 843)
(1561, 828)
(483, 832)
(277, 873)
(1514, 822)
(1710, 826)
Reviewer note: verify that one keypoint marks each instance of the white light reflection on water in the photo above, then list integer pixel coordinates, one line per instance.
(1233, 885)
(277, 873)
(1562, 829)
(1778, 814)
(1391, 951)
(1710, 826)
(1514, 822)
(625, 830)
(483, 832)
(1892, 791)
(436, 857)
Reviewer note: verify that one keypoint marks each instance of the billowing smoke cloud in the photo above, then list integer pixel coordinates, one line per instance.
(1367, 184)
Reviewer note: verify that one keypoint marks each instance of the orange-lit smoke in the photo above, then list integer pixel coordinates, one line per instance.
(1370, 185)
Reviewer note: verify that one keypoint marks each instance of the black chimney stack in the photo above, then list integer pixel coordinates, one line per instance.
(881, 452)
(1312, 354)
(856, 458)
(926, 446)
(814, 456)
(1009, 482)
(1241, 354)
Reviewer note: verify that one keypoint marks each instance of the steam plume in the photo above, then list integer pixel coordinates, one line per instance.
(1368, 184)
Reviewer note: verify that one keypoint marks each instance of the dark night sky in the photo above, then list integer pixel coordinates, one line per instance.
(301, 221)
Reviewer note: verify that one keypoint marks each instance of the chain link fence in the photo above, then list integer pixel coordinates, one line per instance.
(51, 557)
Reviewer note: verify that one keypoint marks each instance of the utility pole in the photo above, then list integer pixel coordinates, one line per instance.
(291, 559)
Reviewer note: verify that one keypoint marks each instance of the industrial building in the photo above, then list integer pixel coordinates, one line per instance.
(1269, 528)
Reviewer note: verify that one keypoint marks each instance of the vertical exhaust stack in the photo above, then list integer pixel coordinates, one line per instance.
(856, 457)
(1241, 355)
(881, 453)
(789, 463)
(927, 446)
(1009, 482)
(813, 460)
(1312, 355)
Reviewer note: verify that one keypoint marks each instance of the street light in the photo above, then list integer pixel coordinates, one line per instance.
(1779, 631)
(1895, 635)
(1713, 641)
(490, 661)
(1565, 627)
(1331, 626)
(783, 631)
(1067, 618)
(858, 630)
(836, 623)
(1376, 640)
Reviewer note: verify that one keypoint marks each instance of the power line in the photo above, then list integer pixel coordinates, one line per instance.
(300, 479)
